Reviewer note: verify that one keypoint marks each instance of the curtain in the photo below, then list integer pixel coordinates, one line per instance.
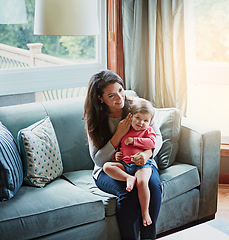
(154, 51)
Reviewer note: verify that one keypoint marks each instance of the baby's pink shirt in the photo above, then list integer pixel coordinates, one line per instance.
(143, 140)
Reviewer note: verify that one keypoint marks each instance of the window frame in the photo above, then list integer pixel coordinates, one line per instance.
(28, 80)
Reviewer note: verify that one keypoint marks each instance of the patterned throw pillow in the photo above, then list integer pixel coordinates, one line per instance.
(11, 171)
(40, 153)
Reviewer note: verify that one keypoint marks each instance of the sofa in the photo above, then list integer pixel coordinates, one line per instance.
(70, 206)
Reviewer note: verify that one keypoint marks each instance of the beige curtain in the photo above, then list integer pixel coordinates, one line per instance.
(154, 56)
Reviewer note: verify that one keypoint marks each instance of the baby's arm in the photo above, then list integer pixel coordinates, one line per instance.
(118, 156)
(129, 141)
(146, 142)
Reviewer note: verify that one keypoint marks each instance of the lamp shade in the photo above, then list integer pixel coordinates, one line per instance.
(66, 17)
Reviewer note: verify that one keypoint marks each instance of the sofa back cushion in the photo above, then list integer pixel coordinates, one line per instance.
(169, 122)
(66, 116)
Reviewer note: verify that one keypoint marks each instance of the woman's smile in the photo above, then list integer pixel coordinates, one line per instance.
(121, 102)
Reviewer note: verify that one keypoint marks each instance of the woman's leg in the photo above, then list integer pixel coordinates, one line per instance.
(149, 232)
(117, 171)
(128, 207)
(142, 183)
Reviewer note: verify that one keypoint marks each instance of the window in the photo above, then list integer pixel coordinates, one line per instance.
(65, 62)
(207, 52)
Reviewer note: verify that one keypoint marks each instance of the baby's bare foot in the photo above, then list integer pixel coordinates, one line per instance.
(130, 182)
(146, 219)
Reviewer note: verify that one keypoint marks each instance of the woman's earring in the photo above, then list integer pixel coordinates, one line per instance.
(101, 100)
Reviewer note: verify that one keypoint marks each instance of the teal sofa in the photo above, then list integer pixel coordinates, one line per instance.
(72, 207)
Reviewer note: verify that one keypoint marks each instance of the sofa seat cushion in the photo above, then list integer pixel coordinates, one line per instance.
(183, 175)
(178, 179)
(36, 212)
(83, 179)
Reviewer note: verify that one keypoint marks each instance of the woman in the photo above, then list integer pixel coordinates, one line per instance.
(107, 117)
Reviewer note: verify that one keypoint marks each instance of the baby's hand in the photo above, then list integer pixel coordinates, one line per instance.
(139, 158)
(129, 141)
(118, 156)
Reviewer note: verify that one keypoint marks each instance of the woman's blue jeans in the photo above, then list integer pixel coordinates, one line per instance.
(128, 206)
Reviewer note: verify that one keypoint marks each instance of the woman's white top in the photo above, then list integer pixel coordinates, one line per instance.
(106, 153)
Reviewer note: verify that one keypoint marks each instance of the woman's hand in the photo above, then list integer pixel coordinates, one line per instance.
(124, 125)
(122, 130)
(141, 158)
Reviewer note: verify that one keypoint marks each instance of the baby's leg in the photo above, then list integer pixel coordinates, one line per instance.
(143, 176)
(117, 171)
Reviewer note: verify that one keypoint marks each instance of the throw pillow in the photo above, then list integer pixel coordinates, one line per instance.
(11, 171)
(40, 153)
(169, 122)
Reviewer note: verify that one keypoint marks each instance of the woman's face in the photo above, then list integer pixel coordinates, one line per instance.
(113, 96)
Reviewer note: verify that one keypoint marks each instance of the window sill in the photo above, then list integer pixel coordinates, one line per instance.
(224, 150)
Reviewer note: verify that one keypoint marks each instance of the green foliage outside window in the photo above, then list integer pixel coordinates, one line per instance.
(18, 35)
(211, 30)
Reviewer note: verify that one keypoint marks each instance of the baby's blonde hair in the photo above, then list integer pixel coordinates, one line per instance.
(141, 105)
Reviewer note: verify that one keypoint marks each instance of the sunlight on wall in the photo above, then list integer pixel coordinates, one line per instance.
(209, 105)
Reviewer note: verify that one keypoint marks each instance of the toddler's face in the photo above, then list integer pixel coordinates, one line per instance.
(141, 121)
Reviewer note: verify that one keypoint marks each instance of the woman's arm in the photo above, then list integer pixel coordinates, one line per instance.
(104, 154)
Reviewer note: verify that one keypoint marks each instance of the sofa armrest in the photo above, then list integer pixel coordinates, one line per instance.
(200, 146)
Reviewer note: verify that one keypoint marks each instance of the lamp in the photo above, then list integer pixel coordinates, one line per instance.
(66, 17)
(12, 12)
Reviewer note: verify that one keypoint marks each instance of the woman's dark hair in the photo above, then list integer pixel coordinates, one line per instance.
(95, 112)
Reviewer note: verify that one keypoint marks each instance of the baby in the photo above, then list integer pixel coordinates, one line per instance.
(140, 137)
